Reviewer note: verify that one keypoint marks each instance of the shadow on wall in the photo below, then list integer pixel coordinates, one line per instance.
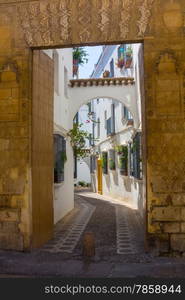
(107, 181)
(115, 177)
(140, 199)
(93, 183)
(127, 183)
(135, 188)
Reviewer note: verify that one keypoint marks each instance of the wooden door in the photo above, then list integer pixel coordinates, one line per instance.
(99, 176)
(42, 148)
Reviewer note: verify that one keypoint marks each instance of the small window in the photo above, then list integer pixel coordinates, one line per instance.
(125, 112)
(137, 156)
(112, 159)
(59, 158)
(113, 118)
(108, 126)
(104, 160)
(89, 107)
(123, 159)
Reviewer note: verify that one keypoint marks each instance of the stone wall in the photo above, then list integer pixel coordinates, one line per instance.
(161, 26)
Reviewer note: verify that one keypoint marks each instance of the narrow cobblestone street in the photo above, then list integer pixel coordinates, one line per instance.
(119, 246)
(116, 228)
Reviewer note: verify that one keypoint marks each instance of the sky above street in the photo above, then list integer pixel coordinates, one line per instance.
(94, 52)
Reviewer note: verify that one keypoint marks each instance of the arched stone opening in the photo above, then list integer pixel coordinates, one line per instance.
(55, 23)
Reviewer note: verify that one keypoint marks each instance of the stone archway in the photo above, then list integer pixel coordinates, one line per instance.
(43, 23)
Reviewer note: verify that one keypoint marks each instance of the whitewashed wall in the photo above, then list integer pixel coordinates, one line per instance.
(63, 192)
(83, 165)
(118, 186)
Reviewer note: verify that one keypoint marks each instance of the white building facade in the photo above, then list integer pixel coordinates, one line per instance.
(118, 128)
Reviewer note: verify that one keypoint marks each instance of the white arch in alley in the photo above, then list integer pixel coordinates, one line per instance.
(126, 94)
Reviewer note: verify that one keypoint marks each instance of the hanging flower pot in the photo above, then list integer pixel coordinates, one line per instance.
(120, 63)
(128, 62)
(112, 164)
(123, 165)
(106, 74)
(75, 66)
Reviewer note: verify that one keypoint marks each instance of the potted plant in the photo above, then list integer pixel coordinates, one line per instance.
(104, 162)
(79, 58)
(128, 58)
(106, 74)
(112, 164)
(123, 160)
(119, 149)
(121, 63)
(123, 166)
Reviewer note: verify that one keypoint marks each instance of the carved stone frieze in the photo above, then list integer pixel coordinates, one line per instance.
(84, 18)
(125, 18)
(145, 12)
(104, 18)
(46, 23)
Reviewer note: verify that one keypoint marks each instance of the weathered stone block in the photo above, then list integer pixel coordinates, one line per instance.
(183, 214)
(12, 241)
(183, 227)
(9, 227)
(9, 215)
(166, 213)
(178, 242)
(171, 227)
(178, 199)
(162, 243)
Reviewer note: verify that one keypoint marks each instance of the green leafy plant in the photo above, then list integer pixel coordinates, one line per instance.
(82, 183)
(112, 164)
(80, 55)
(123, 160)
(78, 139)
(104, 162)
(122, 150)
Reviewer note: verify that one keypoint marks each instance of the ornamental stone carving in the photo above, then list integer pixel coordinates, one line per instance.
(145, 11)
(46, 23)
(125, 18)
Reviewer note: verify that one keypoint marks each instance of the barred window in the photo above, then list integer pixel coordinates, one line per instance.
(136, 157)
(59, 157)
(104, 159)
(112, 159)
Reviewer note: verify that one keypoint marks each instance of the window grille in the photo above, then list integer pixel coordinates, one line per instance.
(59, 157)
(105, 162)
(112, 159)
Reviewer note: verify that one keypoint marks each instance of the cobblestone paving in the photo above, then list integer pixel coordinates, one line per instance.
(116, 229)
(66, 241)
(124, 234)
(111, 258)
